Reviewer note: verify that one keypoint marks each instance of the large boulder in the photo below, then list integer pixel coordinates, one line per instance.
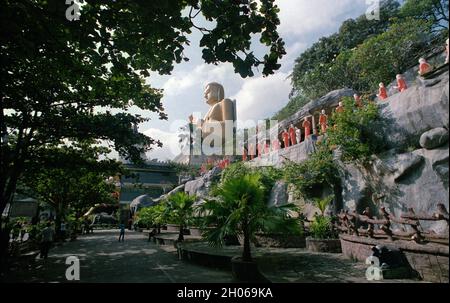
(434, 138)
(201, 186)
(169, 194)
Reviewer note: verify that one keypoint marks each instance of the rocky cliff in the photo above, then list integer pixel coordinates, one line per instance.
(414, 171)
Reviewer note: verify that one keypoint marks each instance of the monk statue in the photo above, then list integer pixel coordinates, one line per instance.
(285, 136)
(292, 135)
(276, 145)
(401, 83)
(244, 155)
(323, 121)
(340, 108)
(298, 134)
(251, 151)
(382, 92)
(358, 100)
(307, 126)
(221, 110)
(424, 67)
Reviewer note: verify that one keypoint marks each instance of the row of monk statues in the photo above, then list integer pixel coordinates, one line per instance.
(223, 110)
(424, 68)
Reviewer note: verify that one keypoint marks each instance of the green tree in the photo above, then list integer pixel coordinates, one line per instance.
(180, 209)
(241, 210)
(55, 74)
(435, 11)
(72, 178)
(380, 58)
(312, 75)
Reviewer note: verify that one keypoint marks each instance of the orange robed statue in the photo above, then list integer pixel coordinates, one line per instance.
(382, 92)
(340, 108)
(251, 151)
(244, 155)
(292, 135)
(307, 126)
(401, 83)
(358, 100)
(323, 122)
(276, 144)
(285, 136)
(424, 67)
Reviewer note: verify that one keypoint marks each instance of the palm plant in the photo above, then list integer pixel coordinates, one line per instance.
(179, 208)
(241, 211)
(322, 204)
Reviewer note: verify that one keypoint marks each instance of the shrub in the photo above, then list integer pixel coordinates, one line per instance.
(353, 131)
(321, 228)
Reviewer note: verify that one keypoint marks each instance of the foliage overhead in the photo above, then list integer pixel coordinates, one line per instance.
(64, 81)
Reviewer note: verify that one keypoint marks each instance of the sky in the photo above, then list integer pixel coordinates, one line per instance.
(303, 22)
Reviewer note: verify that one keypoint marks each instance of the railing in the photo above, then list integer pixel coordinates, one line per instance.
(350, 223)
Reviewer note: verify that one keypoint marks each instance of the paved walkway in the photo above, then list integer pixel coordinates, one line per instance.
(295, 265)
(104, 259)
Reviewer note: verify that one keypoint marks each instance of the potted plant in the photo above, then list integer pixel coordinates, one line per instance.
(242, 211)
(323, 236)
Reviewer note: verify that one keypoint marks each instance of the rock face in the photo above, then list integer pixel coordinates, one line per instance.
(434, 138)
(419, 109)
(201, 186)
(278, 195)
(169, 194)
(413, 172)
(417, 179)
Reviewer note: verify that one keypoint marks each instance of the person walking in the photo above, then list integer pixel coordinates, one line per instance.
(47, 238)
(122, 232)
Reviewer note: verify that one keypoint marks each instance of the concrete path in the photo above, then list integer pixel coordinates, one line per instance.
(104, 259)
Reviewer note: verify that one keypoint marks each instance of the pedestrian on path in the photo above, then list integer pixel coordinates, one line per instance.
(47, 238)
(122, 232)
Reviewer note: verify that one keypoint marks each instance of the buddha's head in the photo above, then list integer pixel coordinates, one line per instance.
(323, 112)
(214, 93)
(399, 77)
(422, 60)
(381, 84)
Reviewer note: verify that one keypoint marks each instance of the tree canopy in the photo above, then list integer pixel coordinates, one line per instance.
(56, 74)
(365, 52)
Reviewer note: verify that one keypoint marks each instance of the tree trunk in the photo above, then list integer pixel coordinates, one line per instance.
(180, 234)
(246, 255)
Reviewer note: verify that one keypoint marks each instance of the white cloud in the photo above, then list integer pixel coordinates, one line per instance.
(183, 80)
(170, 147)
(306, 16)
(260, 97)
